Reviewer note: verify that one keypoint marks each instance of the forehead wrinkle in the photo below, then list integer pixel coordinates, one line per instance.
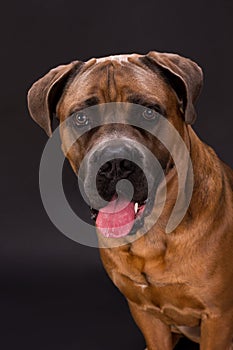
(111, 82)
(112, 86)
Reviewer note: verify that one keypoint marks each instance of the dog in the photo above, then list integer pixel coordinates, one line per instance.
(178, 283)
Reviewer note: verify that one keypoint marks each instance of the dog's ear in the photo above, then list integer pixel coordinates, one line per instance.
(184, 75)
(44, 94)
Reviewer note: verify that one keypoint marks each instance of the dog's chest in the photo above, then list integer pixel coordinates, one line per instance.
(153, 288)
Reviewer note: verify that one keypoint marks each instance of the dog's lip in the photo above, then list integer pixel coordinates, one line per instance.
(139, 220)
(137, 204)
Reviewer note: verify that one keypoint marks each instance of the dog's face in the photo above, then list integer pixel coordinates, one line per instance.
(164, 86)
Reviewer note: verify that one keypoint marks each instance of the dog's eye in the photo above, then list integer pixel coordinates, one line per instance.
(81, 119)
(149, 114)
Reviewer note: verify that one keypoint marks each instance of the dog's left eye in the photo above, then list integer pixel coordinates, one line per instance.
(81, 119)
(149, 114)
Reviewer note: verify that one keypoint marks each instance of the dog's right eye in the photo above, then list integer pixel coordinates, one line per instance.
(81, 119)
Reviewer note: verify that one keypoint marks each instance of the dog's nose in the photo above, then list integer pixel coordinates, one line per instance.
(117, 162)
(117, 168)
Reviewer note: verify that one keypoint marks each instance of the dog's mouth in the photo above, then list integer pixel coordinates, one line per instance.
(125, 211)
(121, 217)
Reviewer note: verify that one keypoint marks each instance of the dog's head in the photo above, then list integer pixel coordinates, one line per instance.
(116, 102)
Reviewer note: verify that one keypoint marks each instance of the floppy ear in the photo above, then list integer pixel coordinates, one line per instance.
(184, 75)
(45, 93)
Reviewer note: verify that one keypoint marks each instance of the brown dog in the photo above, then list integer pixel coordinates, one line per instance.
(178, 283)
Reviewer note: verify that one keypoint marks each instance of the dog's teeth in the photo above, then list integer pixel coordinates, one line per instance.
(136, 208)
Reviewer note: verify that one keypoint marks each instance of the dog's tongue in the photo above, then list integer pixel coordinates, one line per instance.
(116, 219)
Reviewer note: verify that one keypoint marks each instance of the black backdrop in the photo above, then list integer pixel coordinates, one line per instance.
(54, 292)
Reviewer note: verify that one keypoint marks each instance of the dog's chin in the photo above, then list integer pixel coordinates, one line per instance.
(121, 217)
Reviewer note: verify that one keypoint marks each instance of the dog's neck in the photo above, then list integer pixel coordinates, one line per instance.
(209, 181)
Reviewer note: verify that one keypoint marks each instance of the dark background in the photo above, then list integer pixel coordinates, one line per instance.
(55, 294)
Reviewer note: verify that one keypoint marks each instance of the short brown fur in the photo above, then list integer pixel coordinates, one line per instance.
(179, 283)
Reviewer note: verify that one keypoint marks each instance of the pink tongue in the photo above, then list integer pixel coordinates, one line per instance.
(116, 219)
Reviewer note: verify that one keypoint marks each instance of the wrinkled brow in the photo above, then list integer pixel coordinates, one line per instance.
(144, 101)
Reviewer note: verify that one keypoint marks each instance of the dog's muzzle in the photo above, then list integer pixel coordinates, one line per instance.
(118, 178)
